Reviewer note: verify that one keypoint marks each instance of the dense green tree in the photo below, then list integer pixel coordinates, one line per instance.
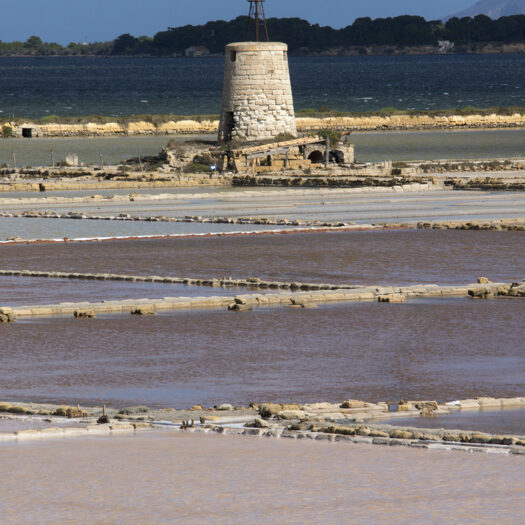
(125, 45)
(34, 43)
(301, 36)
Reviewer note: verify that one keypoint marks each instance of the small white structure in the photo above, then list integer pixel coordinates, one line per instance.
(445, 46)
(72, 160)
(197, 51)
(257, 101)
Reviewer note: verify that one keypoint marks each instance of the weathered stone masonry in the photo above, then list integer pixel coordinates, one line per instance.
(257, 99)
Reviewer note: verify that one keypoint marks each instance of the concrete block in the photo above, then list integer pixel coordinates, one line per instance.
(469, 404)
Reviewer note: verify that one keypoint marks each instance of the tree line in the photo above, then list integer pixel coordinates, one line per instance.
(301, 36)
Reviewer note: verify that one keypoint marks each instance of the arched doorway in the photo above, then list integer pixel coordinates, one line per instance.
(317, 157)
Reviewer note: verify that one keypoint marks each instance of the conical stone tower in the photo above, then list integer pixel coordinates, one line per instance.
(257, 102)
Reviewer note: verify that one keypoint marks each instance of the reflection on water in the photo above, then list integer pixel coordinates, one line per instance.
(365, 351)
(510, 421)
(222, 479)
(14, 424)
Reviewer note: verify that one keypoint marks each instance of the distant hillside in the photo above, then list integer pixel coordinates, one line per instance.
(386, 36)
(493, 8)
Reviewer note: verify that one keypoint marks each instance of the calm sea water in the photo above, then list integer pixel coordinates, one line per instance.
(36, 87)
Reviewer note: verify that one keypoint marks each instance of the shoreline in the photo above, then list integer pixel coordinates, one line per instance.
(351, 421)
(514, 225)
(384, 50)
(209, 124)
(262, 295)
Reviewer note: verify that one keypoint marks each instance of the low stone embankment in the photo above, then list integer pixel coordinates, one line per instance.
(511, 224)
(345, 422)
(517, 224)
(88, 430)
(291, 295)
(95, 184)
(355, 181)
(8, 201)
(304, 125)
(511, 167)
(350, 421)
(253, 283)
(412, 176)
(414, 181)
(487, 184)
(266, 221)
(365, 184)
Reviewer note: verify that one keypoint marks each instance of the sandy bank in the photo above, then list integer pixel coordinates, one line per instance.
(304, 125)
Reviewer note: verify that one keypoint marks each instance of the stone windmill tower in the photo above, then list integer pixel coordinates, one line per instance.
(257, 101)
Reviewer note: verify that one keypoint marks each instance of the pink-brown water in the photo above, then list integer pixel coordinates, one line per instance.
(213, 479)
(17, 291)
(431, 349)
(510, 421)
(394, 257)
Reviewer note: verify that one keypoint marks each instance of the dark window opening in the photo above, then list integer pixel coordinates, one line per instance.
(233, 56)
(27, 133)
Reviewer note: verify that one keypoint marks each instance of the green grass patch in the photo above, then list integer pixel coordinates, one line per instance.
(333, 136)
(7, 131)
(390, 111)
(197, 167)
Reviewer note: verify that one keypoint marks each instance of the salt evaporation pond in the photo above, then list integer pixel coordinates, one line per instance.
(225, 479)
(367, 351)
(19, 291)
(368, 258)
(511, 421)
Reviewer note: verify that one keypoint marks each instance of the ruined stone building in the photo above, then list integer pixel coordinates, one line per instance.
(257, 101)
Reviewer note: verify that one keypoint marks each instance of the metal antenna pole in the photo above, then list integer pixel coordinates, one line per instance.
(264, 23)
(257, 17)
